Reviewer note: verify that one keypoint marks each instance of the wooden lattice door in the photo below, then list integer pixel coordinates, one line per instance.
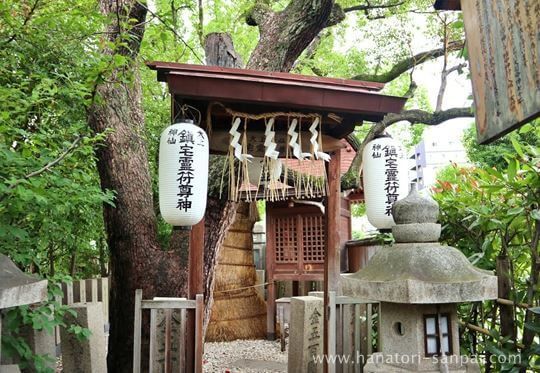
(296, 242)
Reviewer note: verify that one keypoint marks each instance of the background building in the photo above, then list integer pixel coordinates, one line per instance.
(433, 153)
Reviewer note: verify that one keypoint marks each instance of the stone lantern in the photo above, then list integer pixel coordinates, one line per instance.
(419, 283)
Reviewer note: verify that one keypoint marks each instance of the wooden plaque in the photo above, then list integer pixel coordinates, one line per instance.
(503, 42)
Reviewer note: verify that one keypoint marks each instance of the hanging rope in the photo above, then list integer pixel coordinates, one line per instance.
(306, 182)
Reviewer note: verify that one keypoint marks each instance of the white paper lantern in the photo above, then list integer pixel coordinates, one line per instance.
(183, 173)
(385, 179)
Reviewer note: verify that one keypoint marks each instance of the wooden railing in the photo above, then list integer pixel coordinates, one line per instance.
(86, 291)
(350, 332)
(89, 290)
(168, 304)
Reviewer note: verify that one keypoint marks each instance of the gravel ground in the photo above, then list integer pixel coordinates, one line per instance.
(234, 356)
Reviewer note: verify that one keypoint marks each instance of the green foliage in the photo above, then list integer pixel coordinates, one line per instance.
(358, 209)
(51, 220)
(44, 317)
(492, 155)
(49, 213)
(491, 213)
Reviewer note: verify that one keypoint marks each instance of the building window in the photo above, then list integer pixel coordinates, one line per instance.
(431, 334)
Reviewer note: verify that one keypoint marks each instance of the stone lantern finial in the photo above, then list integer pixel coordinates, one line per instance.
(416, 219)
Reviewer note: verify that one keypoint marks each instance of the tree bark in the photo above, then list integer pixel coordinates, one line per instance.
(137, 260)
(219, 216)
(284, 35)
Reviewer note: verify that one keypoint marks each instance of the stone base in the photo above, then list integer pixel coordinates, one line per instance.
(378, 363)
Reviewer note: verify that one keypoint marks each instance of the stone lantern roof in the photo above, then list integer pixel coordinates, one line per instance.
(18, 288)
(417, 269)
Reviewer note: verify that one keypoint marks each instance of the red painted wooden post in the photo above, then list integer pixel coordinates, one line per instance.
(195, 286)
(332, 257)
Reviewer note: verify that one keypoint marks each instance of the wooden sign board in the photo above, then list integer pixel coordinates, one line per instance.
(503, 43)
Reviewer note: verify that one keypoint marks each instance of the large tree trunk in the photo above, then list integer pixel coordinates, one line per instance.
(137, 260)
(284, 35)
(237, 314)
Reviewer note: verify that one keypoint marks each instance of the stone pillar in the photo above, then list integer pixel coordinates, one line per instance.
(40, 343)
(89, 355)
(306, 335)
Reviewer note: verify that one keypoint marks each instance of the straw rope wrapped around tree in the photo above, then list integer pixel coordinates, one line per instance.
(237, 314)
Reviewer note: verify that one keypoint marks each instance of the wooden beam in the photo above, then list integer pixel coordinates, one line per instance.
(199, 344)
(196, 260)
(137, 332)
(332, 257)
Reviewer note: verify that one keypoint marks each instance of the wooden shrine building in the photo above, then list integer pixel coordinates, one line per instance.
(333, 106)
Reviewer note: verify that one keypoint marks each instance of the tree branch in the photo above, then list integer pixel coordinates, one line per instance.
(442, 89)
(284, 35)
(200, 28)
(409, 63)
(411, 116)
(25, 21)
(49, 165)
(170, 28)
(258, 14)
(368, 6)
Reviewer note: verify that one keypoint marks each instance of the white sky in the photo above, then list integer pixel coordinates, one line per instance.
(427, 75)
(457, 92)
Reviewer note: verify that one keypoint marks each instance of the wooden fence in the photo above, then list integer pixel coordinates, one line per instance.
(351, 331)
(89, 290)
(167, 304)
(86, 291)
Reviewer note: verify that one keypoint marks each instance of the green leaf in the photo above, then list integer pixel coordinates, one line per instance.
(535, 310)
(535, 214)
(457, 24)
(515, 211)
(474, 224)
(526, 128)
(494, 349)
(492, 188)
(512, 169)
(517, 147)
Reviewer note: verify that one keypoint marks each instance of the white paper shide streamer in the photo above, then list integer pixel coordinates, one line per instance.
(294, 143)
(183, 174)
(282, 168)
(315, 139)
(273, 164)
(235, 142)
(385, 179)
